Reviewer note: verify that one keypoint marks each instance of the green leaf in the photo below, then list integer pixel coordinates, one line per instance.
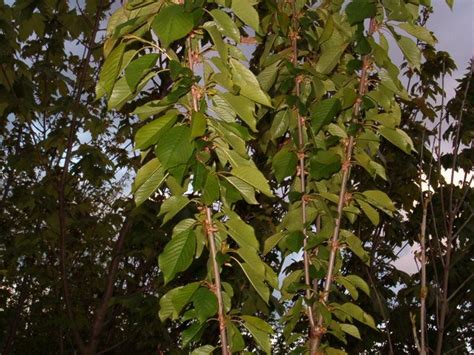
(174, 148)
(172, 23)
(226, 25)
(248, 83)
(359, 283)
(247, 13)
(205, 303)
(149, 178)
(260, 330)
(357, 313)
(379, 199)
(271, 242)
(247, 191)
(323, 113)
(268, 76)
(324, 164)
(333, 351)
(358, 10)
(138, 68)
(198, 124)
(280, 124)
(410, 50)
(418, 32)
(110, 70)
(150, 108)
(250, 256)
(236, 341)
(243, 107)
(203, 350)
(149, 134)
(174, 300)
(330, 57)
(240, 231)
(121, 93)
(211, 189)
(355, 245)
(398, 138)
(370, 212)
(192, 333)
(253, 177)
(351, 330)
(284, 163)
(178, 254)
(256, 280)
(336, 131)
(172, 206)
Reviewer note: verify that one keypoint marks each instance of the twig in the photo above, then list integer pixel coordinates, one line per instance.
(301, 168)
(217, 287)
(334, 243)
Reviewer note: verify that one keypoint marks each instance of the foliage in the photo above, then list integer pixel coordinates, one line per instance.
(278, 174)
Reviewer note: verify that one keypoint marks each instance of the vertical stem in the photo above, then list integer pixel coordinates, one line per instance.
(218, 286)
(334, 243)
(424, 290)
(451, 216)
(301, 168)
(210, 233)
(62, 199)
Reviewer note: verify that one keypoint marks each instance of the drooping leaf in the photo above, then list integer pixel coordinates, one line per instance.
(324, 164)
(138, 68)
(178, 254)
(172, 23)
(225, 25)
(174, 148)
(243, 107)
(247, 13)
(260, 330)
(149, 178)
(247, 191)
(192, 333)
(172, 206)
(418, 32)
(351, 330)
(410, 50)
(173, 301)
(248, 83)
(110, 69)
(203, 350)
(240, 231)
(379, 199)
(150, 133)
(205, 304)
(256, 280)
(253, 177)
(359, 10)
(324, 112)
(370, 212)
(398, 138)
(284, 163)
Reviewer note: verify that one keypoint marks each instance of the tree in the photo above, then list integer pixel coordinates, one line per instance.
(271, 135)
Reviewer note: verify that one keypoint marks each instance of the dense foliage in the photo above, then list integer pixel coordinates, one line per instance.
(283, 162)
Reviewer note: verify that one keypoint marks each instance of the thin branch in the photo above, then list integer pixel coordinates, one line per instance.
(460, 287)
(209, 227)
(334, 243)
(301, 172)
(62, 183)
